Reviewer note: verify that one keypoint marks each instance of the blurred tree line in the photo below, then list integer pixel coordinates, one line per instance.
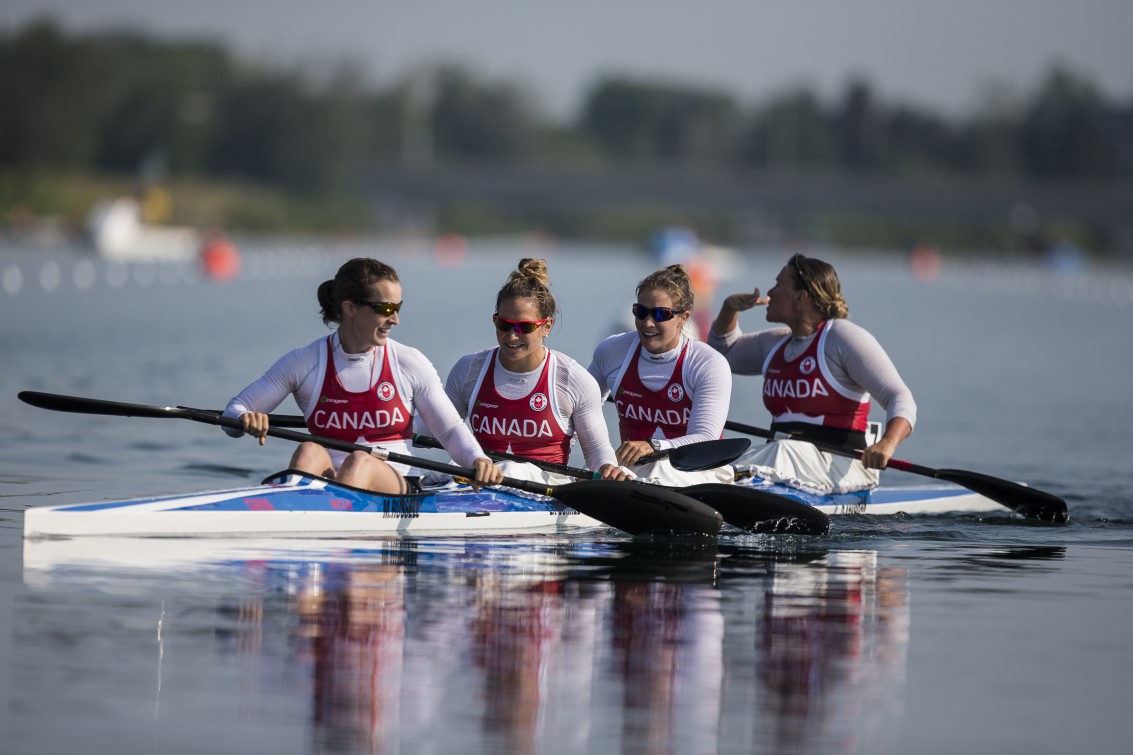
(124, 103)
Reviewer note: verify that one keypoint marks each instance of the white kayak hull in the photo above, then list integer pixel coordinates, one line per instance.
(302, 506)
(294, 505)
(931, 498)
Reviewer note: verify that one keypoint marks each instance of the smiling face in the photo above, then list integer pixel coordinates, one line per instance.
(362, 328)
(659, 337)
(521, 352)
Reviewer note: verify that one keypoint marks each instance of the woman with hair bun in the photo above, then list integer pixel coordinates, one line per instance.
(359, 385)
(819, 373)
(669, 390)
(523, 398)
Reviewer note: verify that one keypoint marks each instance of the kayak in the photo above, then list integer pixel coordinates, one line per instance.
(294, 504)
(925, 498)
(68, 559)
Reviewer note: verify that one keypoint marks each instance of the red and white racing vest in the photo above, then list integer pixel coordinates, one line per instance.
(372, 416)
(804, 391)
(528, 426)
(641, 412)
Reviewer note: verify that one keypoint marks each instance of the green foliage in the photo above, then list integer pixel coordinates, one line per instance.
(51, 98)
(475, 122)
(644, 122)
(124, 103)
(1066, 131)
(140, 110)
(790, 133)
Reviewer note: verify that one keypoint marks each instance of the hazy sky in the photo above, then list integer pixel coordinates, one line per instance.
(939, 54)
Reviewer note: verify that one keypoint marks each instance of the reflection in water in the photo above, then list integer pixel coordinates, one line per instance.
(832, 644)
(629, 646)
(646, 622)
(516, 638)
(356, 636)
(667, 643)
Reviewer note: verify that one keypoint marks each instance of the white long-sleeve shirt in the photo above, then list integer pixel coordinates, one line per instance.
(576, 395)
(855, 358)
(300, 372)
(707, 380)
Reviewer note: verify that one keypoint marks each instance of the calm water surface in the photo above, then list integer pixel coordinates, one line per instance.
(892, 634)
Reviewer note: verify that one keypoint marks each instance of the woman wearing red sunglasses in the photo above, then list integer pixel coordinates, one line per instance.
(359, 385)
(669, 389)
(523, 398)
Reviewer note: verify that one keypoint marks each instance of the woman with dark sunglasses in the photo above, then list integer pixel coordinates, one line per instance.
(359, 385)
(669, 389)
(819, 370)
(525, 399)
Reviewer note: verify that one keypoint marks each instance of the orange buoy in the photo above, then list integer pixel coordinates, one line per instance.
(924, 264)
(450, 250)
(219, 258)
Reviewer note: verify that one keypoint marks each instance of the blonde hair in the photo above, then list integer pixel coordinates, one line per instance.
(674, 281)
(530, 281)
(820, 281)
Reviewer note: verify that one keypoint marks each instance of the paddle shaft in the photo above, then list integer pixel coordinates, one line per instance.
(904, 466)
(426, 441)
(635, 509)
(747, 508)
(120, 409)
(1024, 500)
(694, 457)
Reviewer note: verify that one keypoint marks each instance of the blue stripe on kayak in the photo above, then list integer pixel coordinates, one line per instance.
(333, 498)
(104, 505)
(349, 501)
(913, 494)
(860, 498)
(337, 500)
(869, 497)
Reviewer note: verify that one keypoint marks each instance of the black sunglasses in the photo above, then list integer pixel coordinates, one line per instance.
(659, 314)
(383, 308)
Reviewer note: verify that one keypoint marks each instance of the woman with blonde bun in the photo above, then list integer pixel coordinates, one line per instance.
(523, 398)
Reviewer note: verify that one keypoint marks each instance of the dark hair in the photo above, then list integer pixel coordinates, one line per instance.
(530, 281)
(353, 282)
(674, 281)
(820, 281)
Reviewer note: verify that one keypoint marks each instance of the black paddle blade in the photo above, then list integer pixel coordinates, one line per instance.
(708, 454)
(59, 403)
(1031, 503)
(760, 511)
(640, 509)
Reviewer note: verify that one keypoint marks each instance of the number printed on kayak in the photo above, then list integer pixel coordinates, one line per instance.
(407, 508)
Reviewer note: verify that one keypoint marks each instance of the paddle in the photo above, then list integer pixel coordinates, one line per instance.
(636, 509)
(694, 457)
(1030, 502)
(691, 458)
(743, 507)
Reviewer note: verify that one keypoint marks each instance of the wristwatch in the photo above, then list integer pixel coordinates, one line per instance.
(656, 443)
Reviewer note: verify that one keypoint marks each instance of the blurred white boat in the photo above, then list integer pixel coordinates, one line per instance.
(117, 232)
